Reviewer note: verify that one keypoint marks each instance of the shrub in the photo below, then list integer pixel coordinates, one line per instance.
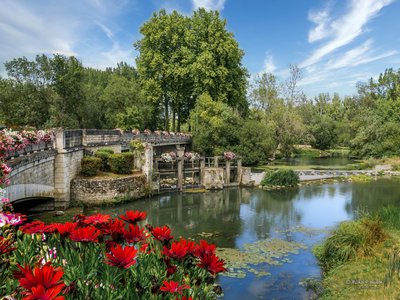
(121, 163)
(104, 156)
(90, 165)
(349, 240)
(281, 177)
(106, 150)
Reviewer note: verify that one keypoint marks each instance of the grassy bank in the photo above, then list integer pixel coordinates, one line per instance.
(356, 257)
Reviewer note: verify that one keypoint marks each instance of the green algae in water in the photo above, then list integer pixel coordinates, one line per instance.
(256, 257)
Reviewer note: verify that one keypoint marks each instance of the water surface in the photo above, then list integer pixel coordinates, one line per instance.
(234, 217)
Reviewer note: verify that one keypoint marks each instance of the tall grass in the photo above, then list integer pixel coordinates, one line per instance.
(281, 178)
(349, 241)
(390, 217)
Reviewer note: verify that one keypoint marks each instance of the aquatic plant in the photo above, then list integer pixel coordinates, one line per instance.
(280, 178)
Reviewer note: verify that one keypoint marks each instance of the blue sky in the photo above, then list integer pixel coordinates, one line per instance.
(336, 43)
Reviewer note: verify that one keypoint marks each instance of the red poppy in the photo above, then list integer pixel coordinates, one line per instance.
(45, 278)
(85, 234)
(212, 263)
(178, 250)
(135, 234)
(173, 287)
(65, 229)
(121, 257)
(204, 249)
(98, 219)
(6, 245)
(37, 227)
(114, 228)
(40, 293)
(133, 216)
(162, 234)
(185, 298)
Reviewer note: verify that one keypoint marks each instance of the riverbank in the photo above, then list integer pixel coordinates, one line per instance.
(360, 259)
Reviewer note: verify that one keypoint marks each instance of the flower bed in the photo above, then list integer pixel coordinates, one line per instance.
(98, 257)
(13, 141)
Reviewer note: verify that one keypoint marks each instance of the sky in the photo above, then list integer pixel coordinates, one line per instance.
(336, 43)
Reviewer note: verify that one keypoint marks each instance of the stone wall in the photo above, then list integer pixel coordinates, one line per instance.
(67, 166)
(213, 178)
(246, 177)
(97, 191)
(32, 175)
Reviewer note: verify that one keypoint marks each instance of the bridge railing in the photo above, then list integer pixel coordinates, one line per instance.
(162, 139)
(30, 148)
(73, 138)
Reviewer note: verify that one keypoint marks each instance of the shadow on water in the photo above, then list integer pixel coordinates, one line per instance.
(234, 217)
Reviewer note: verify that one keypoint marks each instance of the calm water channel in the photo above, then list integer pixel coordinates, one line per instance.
(234, 217)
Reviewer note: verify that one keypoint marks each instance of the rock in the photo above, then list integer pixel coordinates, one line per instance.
(59, 213)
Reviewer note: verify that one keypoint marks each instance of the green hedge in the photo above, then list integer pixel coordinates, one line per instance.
(121, 163)
(281, 178)
(104, 156)
(90, 165)
(106, 150)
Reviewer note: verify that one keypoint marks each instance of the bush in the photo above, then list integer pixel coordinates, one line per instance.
(106, 150)
(349, 240)
(90, 165)
(281, 177)
(104, 156)
(121, 163)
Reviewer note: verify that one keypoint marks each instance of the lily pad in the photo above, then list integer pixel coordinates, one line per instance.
(257, 257)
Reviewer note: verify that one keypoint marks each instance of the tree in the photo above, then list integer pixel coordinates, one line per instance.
(264, 91)
(292, 92)
(161, 66)
(215, 126)
(217, 67)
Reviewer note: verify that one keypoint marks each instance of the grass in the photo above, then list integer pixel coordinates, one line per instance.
(357, 256)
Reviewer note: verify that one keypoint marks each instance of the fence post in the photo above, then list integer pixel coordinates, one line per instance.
(228, 172)
(180, 152)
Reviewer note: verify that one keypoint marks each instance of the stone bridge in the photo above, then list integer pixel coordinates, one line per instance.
(45, 171)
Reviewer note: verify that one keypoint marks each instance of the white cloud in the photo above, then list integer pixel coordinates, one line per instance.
(322, 30)
(357, 56)
(269, 65)
(209, 4)
(344, 29)
(28, 28)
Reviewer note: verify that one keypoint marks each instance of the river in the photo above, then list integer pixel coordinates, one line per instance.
(234, 218)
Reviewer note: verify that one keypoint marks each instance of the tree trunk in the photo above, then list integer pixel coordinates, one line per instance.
(179, 118)
(173, 120)
(166, 111)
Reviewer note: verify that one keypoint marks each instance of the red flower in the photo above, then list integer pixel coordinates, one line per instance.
(178, 250)
(162, 234)
(135, 234)
(212, 264)
(121, 257)
(5, 245)
(185, 298)
(37, 227)
(133, 216)
(45, 281)
(85, 234)
(98, 219)
(173, 287)
(204, 249)
(65, 229)
(114, 228)
(40, 293)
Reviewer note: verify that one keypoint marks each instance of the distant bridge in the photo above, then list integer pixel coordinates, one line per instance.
(45, 171)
